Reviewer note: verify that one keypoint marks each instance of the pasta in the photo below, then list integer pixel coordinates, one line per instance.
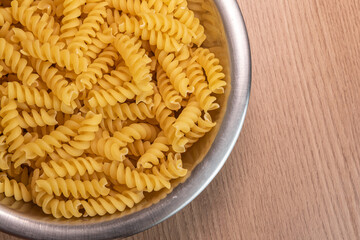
(75, 188)
(99, 99)
(13, 188)
(64, 167)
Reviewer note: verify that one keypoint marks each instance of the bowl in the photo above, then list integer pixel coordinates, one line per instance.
(227, 37)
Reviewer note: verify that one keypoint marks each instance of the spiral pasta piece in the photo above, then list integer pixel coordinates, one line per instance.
(55, 139)
(213, 70)
(112, 16)
(18, 65)
(18, 157)
(97, 68)
(136, 131)
(171, 97)
(175, 73)
(167, 24)
(5, 16)
(112, 203)
(53, 54)
(124, 111)
(154, 152)
(12, 188)
(58, 208)
(60, 87)
(135, 59)
(70, 21)
(88, 28)
(75, 188)
(138, 147)
(165, 118)
(41, 26)
(115, 78)
(187, 17)
(188, 117)
(104, 97)
(127, 6)
(111, 125)
(86, 133)
(135, 179)
(10, 124)
(47, 6)
(7, 32)
(37, 118)
(95, 48)
(173, 4)
(88, 177)
(34, 97)
(171, 169)
(120, 81)
(109, 147)
(162, 41)
(203, 126)
(202, 91)
(70, 167)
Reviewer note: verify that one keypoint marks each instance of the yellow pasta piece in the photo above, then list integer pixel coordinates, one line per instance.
(41, 26)
(70, 167)
(71, 11)
(175, 73)
(135, 59)
(212, 68)
(88, 28)
(35, 118)
(188, 117)
(127, 6)
(58, 208)
(33, 97)
(75, 188)
(167, 24)
(53, 54)
(61, 88)
(171, 97)
(12, 188)
(96, 69)
(162, 41)
(18, 65)
(112, 203)
(202, 91)
(134, 178)
(11, 124)
(126, 111)
(187, 17)
(154, 152)
(138, 147)
(108, 147)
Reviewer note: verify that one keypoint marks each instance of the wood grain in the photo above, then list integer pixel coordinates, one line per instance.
(295, 171)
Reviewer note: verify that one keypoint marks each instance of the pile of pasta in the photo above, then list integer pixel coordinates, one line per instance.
(99, 99)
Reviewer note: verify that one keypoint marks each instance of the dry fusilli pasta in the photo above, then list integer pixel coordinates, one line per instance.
(99, 99)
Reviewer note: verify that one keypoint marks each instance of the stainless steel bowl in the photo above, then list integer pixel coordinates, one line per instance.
(229, 40)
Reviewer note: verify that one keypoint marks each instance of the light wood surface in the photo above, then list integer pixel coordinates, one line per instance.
(295, 171)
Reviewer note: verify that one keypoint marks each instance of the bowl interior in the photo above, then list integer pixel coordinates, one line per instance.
(28, 213)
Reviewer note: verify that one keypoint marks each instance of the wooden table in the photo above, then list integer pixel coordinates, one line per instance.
(295, 171)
